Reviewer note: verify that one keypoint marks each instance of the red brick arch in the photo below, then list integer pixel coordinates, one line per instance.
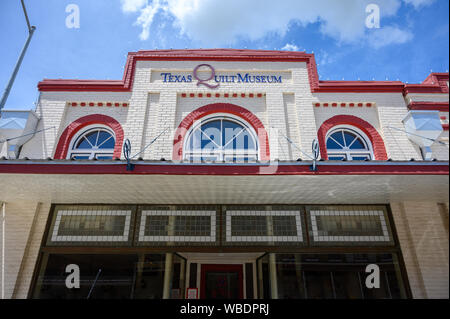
(379, 150)
(66, 137)
(203, 111)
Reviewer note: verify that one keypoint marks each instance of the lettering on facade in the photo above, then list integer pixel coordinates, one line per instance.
(213, 80)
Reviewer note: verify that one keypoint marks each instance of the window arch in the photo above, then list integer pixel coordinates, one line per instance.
(232, 110)
(94, 142)
(67, 137)
(363, 127)
(221, 138)
(348, 143)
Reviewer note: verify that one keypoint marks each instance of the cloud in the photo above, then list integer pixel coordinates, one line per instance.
(133, 5)
(419, 3)
(290, 47)
(389, 35)
(219, 22)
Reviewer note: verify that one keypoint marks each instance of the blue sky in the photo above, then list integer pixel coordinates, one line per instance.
(412, 39)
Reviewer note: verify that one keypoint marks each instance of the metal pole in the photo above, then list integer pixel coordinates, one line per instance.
(31, 30)
(3, 248)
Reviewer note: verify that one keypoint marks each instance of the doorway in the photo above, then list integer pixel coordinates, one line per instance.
(222, 282)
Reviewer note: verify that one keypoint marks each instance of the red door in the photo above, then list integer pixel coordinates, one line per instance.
(221, 282)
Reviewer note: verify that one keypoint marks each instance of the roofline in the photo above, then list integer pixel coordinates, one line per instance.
(69, 167)
(125, 85)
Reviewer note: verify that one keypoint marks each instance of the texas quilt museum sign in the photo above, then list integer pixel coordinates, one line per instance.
(205, 75)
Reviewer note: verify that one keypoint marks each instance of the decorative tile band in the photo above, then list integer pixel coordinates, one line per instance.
(56, 237)
(344, 104)
(221, 95)
(146, 213)
(315, 214)
(98, 104)
(298, 226)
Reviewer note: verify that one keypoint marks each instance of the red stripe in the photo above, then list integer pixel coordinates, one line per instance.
(429, 106)
(174, 169)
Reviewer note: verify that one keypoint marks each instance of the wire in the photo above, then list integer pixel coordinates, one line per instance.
(290, 141)
(426, 138)
(13, 138)
(148, 145)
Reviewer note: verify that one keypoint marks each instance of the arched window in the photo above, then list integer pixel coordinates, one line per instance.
(221, 138)
(94, 142)
(348, 143)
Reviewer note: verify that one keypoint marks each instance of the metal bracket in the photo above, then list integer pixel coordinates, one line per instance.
(315, 152)
(126, 154)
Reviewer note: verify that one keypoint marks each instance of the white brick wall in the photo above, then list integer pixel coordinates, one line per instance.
(288, 107)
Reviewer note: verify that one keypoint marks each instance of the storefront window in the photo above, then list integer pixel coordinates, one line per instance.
(330, 276)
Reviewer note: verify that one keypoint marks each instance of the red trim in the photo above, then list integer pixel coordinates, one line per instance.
(379, 149)
(126, 83)
(429, 106)
(223, 170)
(445, 127)
(66, 137)
(203, 111)
(221, 268)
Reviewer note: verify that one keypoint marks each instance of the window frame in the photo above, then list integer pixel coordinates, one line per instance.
(347, 153)
(251, 155)
(92, 153)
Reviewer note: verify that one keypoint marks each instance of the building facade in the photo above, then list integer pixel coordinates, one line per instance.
(226, 174)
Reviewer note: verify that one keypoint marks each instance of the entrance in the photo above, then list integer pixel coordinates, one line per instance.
(221, 282)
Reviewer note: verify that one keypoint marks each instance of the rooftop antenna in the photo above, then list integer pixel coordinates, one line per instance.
(31, 30)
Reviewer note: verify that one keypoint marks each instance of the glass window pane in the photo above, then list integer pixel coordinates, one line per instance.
(358, 145)
(229, 132)
(339, 138)
(83, 144)
(332, 145)
(92, 137)
(336, 157)
(80, 157)
(211, 137)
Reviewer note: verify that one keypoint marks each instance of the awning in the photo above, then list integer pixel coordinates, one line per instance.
(159, 182)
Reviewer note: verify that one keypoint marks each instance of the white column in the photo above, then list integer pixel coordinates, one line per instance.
(167, 275)
(273, 276)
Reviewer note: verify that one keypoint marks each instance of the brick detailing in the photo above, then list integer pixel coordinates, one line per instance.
(379, 150)
(342, 104)
(98, 104)
(203, 111)
(74, 127)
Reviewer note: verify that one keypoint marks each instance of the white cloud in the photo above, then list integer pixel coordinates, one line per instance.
(133, 5)
(219, 22)
(290, 47)
(389, 35)
(419, 3)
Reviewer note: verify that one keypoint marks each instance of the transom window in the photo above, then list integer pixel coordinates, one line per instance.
(221, 139)
(93, 143)
(349, 144)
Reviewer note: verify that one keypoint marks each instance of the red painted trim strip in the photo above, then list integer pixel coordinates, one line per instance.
(236, 170)
(203, 111)
(429, 106)
(66, 137)
(379, 149)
